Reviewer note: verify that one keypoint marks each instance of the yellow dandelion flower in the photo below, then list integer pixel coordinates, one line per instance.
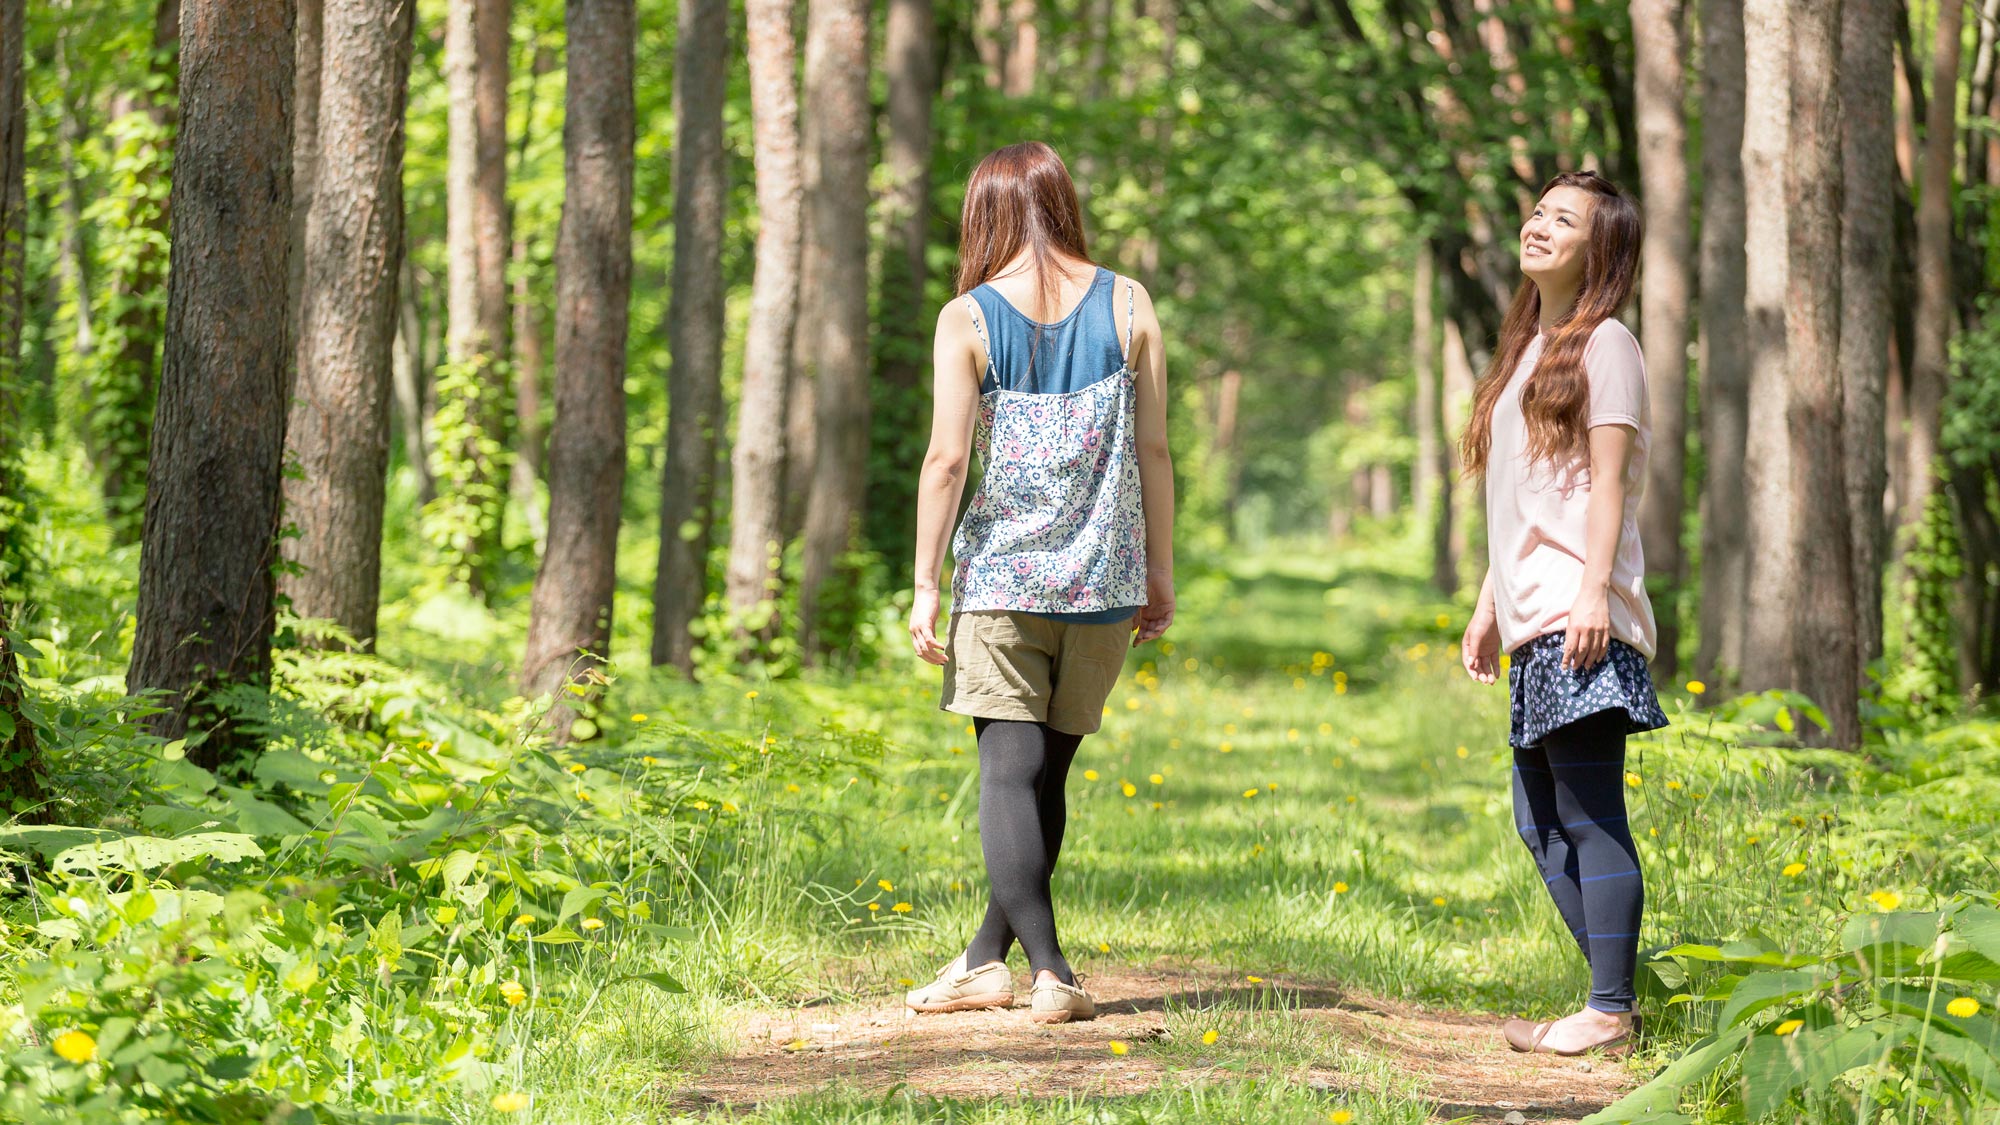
(649, 760)
(1118, 1047)
(791, 787)
(576, 767)
(1464, 753)
(1654, 831)
(1351, 798)
(1090, 775)
(1226, 747)
(906, 982)
(1255, 980)
(874, 906)
(1438, 901)
(524, 920)
(1751, 839)
(701, 806)
(510, 1103)
(1341, 888)
(1965, 1007)
(592, 924)
(1696, 687)
(1127, 788)
(750, 695)
(1798, 822)
(901, 908)
(1794, 869)
(75, 1046)
(1158, 805)
(1633, 780)
(1673, 785)
(1787, 1027)
(1157, 779)
(1326, 728)
(1444, 620)
(1340, 687)
(1104, 947)
(956, 885)
(885, 884)
(1132, 704)
(1271, 785)
(1251, 792)
(1209, 1037)
(1885, 900)
(1340, 1116)
(639, 716)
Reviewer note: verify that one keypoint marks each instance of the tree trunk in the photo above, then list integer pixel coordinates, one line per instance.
(1466, 503)
(758, 458)
(1229, 436)
(836, 257)
(911, 46)
(1023, 49)
(1771, 584)
(339, 426)
(1867, 63)
(1724, 360)
(525, 473)
(1658, 33)
(205, 574)
(1929, 364)
(477, 473)
(308, 53)
(409, 374)
(694, 389)
(1822, 599)
(1432, 481)
(569, 625)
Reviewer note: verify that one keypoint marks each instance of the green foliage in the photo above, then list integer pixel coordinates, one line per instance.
(1923, 680)
(470, 459)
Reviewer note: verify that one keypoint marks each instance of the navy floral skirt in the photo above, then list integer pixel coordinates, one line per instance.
(1545, 696)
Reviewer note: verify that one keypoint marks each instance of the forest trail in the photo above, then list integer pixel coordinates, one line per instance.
(1455, 1060)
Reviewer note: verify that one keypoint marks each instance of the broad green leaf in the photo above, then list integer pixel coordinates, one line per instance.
(1812, 1058)
(458, 867)
(1658, 1101)
(1695, 952)
(147, 852)
(1971, 1059)
(1759, 991)
(661, 981)
(580, 899)
(1978, 926)
(1916, 929)
(561, 935)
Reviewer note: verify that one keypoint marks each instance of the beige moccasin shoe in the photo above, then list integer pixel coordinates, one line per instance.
(958, 989)
(1052, 1001)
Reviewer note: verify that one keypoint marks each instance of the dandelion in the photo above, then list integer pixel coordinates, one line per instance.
(1751, 839)
(701, 806)
(1696, 687)
(901, 908)
(873, 907)
(639, 716)
(1226, 747)
(1132, 704)
(1798, 822)
(75, 1046)
(1325, 728)
(750, 695)
(524, 920)
(1157, 779)
(510, 1103)
(1255, 980)
(1633, 780)
(1464, 753)
(1444, 620)
(1340, 1116)
(512, 992)
(1351, 798)
(791, 787)
(1271, 785)
(956, 885)
(1438, 901)
(1127, 788)
(1209, 1037)
(1673, 785)
(1885, 900)
(1104, 947)
(1118, 1047)
(885, 884)
(649, 760)
(906, 982)
(1787, 1027)
(1251, 792)
(1341, 888)
(1792, 870)
(592, 925)
(1965, 1007)
(576, 767)
(1090, 775)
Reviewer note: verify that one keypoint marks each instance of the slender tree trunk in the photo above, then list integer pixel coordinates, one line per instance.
(911, 46)
(1229, 435)
(1930, 362)
(1822, 602)
(1023, 49)
(1867, 231)
(836, 257)
(21, 767)
(409, 375)
(1432, 480)
(205, 574)
(308, 54)
(1464, 534)
(694, 389)
(1658, 32)
(757, 459)
(990, 40)
(526, 471)
(1724, 345)
(339, 426)
(569, 625)
(1772, 580)
(476, 62)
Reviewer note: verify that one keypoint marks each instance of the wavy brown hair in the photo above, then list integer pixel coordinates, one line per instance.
(1556, 398)
(1020, 195)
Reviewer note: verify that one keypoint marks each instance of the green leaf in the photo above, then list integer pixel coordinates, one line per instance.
(1911, 928)
(1658, 1101)
(1979, 927)
(1695, 952)
(1971, 1059)
(661, 981)
(580, 899)
(141, 853)
(561, 935)
(667, 933)
(1759, 991)
(458, 867)
(1811, 1058)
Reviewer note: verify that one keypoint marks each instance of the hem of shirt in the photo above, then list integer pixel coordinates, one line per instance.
(1612, 420)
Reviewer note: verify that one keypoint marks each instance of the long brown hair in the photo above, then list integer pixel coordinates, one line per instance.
(1019, 195)
(1556, 398)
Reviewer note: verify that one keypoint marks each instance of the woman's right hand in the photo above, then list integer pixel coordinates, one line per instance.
(1479, 650)
(923, 626)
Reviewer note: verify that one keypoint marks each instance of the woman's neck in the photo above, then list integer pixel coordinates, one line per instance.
(1556, 302)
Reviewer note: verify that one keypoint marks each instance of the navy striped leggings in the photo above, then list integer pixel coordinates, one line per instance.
(1569, 805)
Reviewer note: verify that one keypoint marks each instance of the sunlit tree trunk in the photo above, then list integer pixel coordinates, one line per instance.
(1023, 49)
(525, 473)
(1724, 345)
(205, 566)
(1930, 360)
(308, 50)
(757, 460)
(911, 47)
(694, 389)
(339, 427)
(569, 624)
(1469, 512)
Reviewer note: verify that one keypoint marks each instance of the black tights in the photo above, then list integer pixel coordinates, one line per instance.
(1022, 767)
(1569, 806)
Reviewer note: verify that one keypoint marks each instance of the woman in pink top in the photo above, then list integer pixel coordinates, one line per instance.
(1559, 430)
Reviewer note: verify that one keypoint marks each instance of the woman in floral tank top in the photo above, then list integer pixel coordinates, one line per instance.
(1051, 367)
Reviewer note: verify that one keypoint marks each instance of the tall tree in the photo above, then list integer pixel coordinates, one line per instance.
(20, 756)
(1023, 49)
(1931, 357)
(1431, 482)
(836, 257)
(475, 393)
(911, 47)
(694, 388)
(1867, 234)
(308, 49)
(339, 425)
(1771, 584)
(569, 623)
(526, 471)
(1822, 601)
(210, 535)
(757, 460)
(1724, 371)
(1659, 93)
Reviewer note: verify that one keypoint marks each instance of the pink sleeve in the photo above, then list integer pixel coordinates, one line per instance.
(1617, 374)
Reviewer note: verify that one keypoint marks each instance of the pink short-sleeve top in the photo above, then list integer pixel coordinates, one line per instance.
(1535, 512)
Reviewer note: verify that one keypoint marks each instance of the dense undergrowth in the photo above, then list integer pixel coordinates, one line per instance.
(412, 905)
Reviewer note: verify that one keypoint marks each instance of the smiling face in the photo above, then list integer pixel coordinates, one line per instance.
(1554, 238)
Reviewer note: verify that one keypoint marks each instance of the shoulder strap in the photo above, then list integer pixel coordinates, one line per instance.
(979, 326)
(1128, 321)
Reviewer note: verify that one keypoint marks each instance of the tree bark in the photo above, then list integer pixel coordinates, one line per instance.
(1931, 358)
(1658, 32)
(1822, 602)
(205, 576)
(569, 625)
(1867, 232)
(836, 257)
(1725, 382)
(1771, 584)
(525, 472)
(308, 52)
(1023, 49)
(1432, 482)
(1458, 379)
(911, 46)
(694, 388)
(339, 426)
(476, 221)
(758, 457)
(409, 375)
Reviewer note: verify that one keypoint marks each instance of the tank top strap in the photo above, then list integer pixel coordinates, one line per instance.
(979, 326)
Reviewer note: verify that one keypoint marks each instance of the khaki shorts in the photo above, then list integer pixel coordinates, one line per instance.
(1001, 665)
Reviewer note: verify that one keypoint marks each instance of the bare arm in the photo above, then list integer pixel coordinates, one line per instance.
(1156, 467)
(1588, 634)
(1479, 650)
(959, 364)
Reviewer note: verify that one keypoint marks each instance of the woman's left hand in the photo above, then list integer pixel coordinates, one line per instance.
(1587, 637)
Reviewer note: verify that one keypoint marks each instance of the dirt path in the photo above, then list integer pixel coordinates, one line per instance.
(1459, 1060)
